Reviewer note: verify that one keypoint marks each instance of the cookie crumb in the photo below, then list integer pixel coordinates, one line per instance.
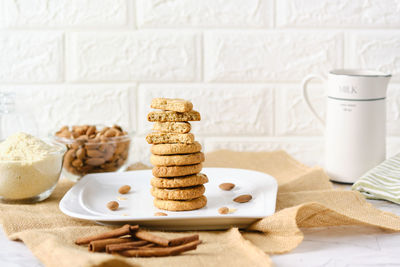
(160, 214)
(112, 205)
(223, 210)
(121, 198)
(125, 214)
(232, 210)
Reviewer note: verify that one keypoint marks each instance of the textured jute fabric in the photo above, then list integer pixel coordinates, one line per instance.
(305, 199)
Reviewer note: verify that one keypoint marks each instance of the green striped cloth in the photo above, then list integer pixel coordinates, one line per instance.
(382, 182)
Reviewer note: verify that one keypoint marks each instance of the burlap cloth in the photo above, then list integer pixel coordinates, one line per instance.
(305, 199)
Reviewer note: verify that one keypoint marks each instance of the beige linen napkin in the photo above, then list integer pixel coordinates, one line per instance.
(305, 199)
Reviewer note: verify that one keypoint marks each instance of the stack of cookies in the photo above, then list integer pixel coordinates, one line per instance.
(177, 184)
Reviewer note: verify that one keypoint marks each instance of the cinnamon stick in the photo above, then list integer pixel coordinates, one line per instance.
(147, 246)
(143, 235)
(124, 230)
(133, 228)
(160, 252)
(182, 240)
(100, 245)
(124, 246)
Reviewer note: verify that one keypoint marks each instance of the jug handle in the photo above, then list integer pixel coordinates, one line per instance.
(304, 85)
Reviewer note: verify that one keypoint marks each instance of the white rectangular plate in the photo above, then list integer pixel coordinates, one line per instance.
(87, 200)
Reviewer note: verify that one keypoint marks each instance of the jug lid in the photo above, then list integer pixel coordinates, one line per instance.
(357, 84)
(360, 73)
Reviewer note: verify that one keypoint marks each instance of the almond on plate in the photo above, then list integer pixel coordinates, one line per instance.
(243, 198)
(124, 189)
(226, 186)
(112, 205)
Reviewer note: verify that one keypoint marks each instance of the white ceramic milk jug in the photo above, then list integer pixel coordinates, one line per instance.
(355, 123)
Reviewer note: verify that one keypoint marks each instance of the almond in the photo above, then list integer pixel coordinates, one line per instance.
(223, 210)
(243, 198)
(124, 189)
(109, 167)
(112, 205)
(95, 161)
(64, 128)
(117, 127)
(91, 130)
(120, 148)
(105, 129)
(124, 154)
(104, 139)
(80, 153)
(75, 134)
(82, 139)
(120, 162)
(80, 131)
(94, 153)
(77, 163)
(75, 145)
(109, 151)
(91, 145)
(102, 147)
(64, 132)
(227, 186)
(70, 155)
(110, 133)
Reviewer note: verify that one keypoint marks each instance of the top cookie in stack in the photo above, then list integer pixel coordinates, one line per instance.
(177, 184)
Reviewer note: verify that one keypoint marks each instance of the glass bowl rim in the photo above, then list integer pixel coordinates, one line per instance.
(60, 151)
(114, 139)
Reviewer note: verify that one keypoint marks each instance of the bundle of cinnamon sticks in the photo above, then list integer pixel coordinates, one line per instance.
(130, 241)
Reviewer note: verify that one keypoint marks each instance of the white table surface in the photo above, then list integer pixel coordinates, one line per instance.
(328, 246)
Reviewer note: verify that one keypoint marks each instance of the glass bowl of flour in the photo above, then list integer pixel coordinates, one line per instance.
(29, 168)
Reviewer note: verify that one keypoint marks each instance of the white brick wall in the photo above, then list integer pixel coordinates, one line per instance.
(138, 56)
(378, 50)
(53, 106)
(63, 13)
(343, 13)
(263, 56)
(29, 57)
(240, 62)
(204, 13)
(292, 116)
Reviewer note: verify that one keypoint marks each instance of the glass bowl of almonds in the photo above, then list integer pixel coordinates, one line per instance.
(93, 149)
